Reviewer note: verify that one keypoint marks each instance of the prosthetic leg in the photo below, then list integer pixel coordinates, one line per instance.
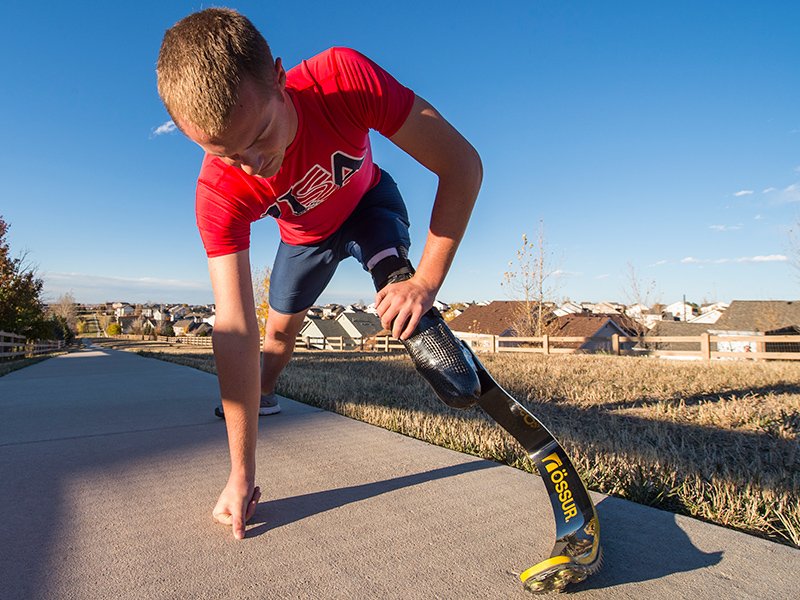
(437, 354)
(460, 380)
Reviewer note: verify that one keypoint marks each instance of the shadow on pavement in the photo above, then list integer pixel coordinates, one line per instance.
(284, 511)
(634, 554)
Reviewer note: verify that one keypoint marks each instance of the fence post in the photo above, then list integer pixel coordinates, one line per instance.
(615, 343)
(705, 346)
(546, 343)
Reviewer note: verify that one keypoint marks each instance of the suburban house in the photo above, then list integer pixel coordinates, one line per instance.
(718, 306)
(331, 311)
(495, 318)
(160, 314)
(182, 326)
(608, 308)
(588, 325)
(123, 309)
(568, 308)
(708, 317)
(500, 318)
(644, 315)
(756, 318)
(316, 330)
(359, 324)
(178, 312)
(680, 311)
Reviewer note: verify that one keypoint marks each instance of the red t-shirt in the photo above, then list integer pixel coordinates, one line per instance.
(339, 96)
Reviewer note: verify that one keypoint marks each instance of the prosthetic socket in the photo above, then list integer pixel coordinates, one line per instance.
(436, 353)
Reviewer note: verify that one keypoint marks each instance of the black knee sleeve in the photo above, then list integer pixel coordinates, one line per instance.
(436, 353)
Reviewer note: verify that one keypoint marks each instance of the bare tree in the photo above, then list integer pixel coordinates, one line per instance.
(104, 320)
(534, 282)
(639, 291)
(65, 307)
(137, 326)
(792, 246)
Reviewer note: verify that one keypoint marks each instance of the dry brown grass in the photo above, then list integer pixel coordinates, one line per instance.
(715, 440)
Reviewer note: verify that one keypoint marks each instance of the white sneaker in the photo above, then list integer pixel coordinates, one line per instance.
(269, 406)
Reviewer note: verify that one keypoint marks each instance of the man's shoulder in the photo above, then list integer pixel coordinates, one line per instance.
(328, 64)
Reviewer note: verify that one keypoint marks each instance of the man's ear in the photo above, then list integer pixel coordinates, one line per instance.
(280, 74)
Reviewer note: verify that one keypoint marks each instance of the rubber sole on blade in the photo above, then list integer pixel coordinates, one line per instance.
(554, 574)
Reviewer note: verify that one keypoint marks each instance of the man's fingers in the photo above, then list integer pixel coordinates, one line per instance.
(223, 517)
(238, 528)
(251, 506)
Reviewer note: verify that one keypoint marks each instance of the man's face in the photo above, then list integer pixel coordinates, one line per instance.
(258, 134)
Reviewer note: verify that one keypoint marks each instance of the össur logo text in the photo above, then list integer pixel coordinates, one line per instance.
(558, 475)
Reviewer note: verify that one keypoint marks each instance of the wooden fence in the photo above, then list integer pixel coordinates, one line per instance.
(704, 346)
(380, 344)
(13, 345)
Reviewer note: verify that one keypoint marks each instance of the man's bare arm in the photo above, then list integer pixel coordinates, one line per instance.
(236, 352)
(436, 145)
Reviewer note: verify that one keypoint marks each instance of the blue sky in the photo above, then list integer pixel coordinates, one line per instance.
(665, 136)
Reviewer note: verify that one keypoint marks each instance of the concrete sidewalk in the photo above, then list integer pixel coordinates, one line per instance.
(110, 465)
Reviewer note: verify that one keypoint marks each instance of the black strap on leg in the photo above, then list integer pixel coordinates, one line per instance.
(392, 269)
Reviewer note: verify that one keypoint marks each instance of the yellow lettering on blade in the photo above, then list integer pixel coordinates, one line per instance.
(559, 478)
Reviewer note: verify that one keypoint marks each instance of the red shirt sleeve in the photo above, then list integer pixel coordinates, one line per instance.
(376, 98)
(224, 208)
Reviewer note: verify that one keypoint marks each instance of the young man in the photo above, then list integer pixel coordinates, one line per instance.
(294, 146)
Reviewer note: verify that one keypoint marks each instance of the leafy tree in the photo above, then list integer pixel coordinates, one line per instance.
(114, 329)
(21, 308)
(261, 296)
(165, 329)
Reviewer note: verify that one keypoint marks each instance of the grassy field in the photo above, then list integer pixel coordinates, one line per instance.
(717, 440)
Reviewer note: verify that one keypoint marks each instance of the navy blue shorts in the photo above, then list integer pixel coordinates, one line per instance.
(301, 273)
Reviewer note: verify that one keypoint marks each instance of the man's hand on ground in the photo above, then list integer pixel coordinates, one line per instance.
(236, 505)
(401, 305)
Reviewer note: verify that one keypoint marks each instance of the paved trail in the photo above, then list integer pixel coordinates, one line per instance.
(111, 463)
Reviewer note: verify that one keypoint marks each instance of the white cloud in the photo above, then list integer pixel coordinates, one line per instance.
(167, 127)
(725, 227)
(770, 258)
(769, 190)
(758, 217)
(661, 262)
(102, 288)
(743, 193)
(602, 276)
(791, 193)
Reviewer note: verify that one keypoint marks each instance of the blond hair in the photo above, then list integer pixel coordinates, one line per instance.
(203, 59)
